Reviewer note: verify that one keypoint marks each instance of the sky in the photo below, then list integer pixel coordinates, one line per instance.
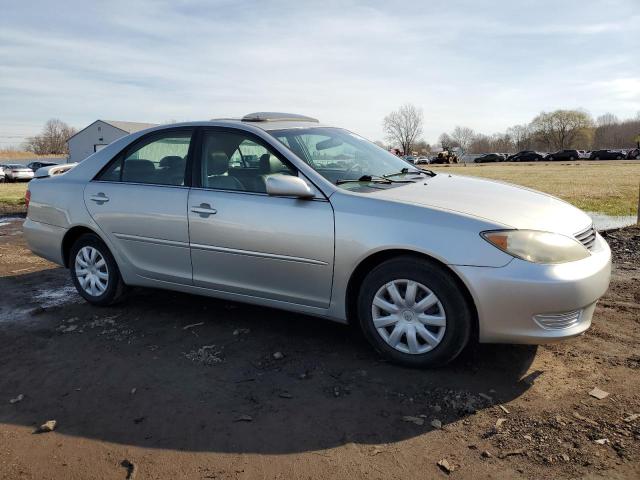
(483, 64)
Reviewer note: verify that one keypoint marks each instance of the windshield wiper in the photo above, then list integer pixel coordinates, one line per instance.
(371, 179)
(406, 171)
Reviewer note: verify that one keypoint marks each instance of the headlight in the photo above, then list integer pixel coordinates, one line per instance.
(537, 247)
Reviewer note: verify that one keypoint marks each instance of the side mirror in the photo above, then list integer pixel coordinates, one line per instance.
(288, 186)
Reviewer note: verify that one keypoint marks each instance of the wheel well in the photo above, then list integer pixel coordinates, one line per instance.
(376, 259)
(70, 238)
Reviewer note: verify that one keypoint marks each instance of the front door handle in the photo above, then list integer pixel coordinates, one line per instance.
(99, 198)
(204, 210)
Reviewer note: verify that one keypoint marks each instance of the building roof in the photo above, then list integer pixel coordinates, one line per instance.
(130, 127)
(126, 127)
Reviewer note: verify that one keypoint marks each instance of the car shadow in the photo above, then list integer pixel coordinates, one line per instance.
(176, 371)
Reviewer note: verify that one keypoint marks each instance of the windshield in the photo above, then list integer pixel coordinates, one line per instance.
(340, 155)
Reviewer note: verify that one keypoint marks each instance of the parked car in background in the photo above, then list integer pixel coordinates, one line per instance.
(2, 176)
(36, 165)
(525, 156)
(422, 161)
(633, 154)
(15, 172)
(423, 263)
(409, 158)
(607, 155)
(563, 155)
(489, 157)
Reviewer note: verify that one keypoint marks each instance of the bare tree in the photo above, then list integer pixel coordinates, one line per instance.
(607, 119)
(520, 136)
(52, 140)
(446, 142)
(404, 126)
(422, 147)
(463, 136)
(563, 128)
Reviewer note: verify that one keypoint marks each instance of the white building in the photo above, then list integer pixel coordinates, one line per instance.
(98, 135)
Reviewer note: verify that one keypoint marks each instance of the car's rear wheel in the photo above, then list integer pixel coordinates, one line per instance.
(412, 311)
(94, 271)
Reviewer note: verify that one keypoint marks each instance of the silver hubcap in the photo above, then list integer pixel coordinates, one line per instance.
(91, 271)
(408, 316)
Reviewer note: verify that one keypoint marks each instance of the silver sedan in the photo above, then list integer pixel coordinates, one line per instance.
(281, 211)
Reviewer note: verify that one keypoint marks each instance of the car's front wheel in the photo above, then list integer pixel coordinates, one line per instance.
(413, 312)
(94, 271)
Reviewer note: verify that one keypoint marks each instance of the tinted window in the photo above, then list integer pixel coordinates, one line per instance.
(234, 161)
(161, 160)
(112, 173)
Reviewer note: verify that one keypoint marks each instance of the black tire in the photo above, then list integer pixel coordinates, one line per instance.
(115, 286)
(459, 316)
(572, 158)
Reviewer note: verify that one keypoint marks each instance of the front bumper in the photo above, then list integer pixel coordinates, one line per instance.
(508, 298)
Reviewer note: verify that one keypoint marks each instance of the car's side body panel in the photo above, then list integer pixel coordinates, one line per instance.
(147, 223)
(273, 247)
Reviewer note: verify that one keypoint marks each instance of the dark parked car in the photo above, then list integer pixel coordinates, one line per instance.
(607, 155)
(525, 156)
(489, 157)
(36, 165)
(563, 155)
(633, 154)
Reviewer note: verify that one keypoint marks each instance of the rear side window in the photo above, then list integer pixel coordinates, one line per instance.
(160, 160)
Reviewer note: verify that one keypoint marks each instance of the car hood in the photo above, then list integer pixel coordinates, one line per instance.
(498, 202)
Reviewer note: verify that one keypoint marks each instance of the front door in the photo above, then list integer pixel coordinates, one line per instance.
(245, 241)
(140, 202)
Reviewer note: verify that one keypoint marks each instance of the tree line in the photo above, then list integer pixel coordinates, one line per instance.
(548, 131)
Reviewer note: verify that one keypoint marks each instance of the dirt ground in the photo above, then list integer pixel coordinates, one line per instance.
(168, 385)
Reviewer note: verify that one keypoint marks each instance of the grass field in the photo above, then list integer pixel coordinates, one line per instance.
(21, 154)
(12, 194)
(604, 187)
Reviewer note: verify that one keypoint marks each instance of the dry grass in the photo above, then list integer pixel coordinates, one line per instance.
(20, 155)
(604, 187)
(12, 198)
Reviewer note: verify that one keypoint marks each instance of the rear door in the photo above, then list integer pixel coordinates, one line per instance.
(140, 202)
(246, 242)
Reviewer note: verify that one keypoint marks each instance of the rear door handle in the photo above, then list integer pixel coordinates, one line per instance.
(204, 210)
(99, 198)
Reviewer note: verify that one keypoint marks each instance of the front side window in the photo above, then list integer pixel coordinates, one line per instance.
(235, 161)
(160, 160)
(338, 154)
